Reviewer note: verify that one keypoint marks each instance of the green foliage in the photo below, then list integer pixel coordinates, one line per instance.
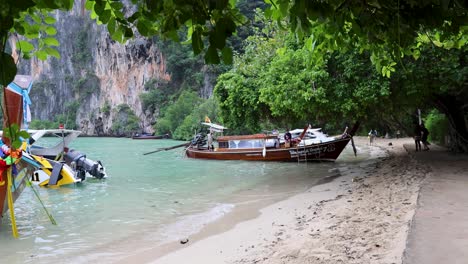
(43, 124)
(353, 88)
(213, 21)
(284, 78)
(14, 133)
(275, 82)
(239, 103)
(7, 69)
(239, 90)
(437, 124)
(87, 85)
(186, 69)
(68, 118)
(177, 112)
(249, 9)
(387, 29)
(157, 95)
(438, 79)
(125, 122)
(81, 56)
(106, 108)
(191, 123)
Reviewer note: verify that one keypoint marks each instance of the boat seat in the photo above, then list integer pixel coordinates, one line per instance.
(54, 176)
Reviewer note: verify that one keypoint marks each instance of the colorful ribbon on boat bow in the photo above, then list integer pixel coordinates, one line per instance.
(8, 158)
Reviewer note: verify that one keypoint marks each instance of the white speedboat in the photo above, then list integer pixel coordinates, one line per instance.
(312, 136)
(50, 173)
(58, 150)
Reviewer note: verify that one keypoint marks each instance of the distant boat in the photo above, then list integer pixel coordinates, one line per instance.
(270, 147)
(149, 136)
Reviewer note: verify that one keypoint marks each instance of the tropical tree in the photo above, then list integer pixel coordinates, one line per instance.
(385, 30)
(438, 79)
(177, 112)
(191, 123)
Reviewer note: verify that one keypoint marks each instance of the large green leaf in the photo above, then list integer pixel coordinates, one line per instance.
(52, 52)
(25, 46)
(7, 69)
(197, 43)
(41, 54)
(211, 56)
(51, 41)
(111, 26)
(50, 30)
(49, 20)
(227, 55)
(143, 27)
(105, 16)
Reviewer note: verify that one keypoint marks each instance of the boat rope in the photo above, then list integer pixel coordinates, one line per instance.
(51, 218)
(10, 204)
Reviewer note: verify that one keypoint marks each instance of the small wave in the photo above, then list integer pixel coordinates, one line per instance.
(41, 240)
(191, 224)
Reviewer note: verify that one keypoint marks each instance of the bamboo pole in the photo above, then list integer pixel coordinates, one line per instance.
(168, 148)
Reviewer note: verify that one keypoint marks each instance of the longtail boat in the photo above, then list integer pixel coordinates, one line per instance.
(267, 147)
(149, 136)
(15, 99)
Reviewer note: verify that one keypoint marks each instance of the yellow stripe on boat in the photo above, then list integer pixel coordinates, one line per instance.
(67, 176)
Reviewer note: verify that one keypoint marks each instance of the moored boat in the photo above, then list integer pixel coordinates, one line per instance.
(15, 99)
(149, 136)
(51, 173)
(82, 166)
(267, 147)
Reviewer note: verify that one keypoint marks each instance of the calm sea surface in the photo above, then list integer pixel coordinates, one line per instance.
(147, 200)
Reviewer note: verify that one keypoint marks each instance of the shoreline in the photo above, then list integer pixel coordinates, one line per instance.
(328, 223)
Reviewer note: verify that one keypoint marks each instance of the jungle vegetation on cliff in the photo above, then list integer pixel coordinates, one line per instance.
(372, 60)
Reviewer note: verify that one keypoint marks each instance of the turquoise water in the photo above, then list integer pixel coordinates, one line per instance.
(146, 201)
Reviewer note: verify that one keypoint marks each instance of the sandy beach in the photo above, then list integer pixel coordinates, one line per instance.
(363, 216)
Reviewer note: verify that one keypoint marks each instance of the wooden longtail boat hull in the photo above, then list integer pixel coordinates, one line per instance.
(328, 151)
(13, 113)
(25, 170)
(151, 137)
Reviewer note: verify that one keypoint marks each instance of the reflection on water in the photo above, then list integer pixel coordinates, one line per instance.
(153, 198)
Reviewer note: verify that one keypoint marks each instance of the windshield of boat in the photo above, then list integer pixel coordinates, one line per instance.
(52, 139)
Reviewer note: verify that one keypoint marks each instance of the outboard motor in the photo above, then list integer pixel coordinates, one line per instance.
(199, 140)
(82, 165)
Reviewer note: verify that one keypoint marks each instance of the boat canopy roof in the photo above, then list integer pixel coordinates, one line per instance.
(299, 130)
(246, 137)
(36, 134)
(214, 127)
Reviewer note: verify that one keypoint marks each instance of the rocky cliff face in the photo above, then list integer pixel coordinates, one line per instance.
(93, 71)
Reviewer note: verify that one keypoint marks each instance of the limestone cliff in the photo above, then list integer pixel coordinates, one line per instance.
(93, 71)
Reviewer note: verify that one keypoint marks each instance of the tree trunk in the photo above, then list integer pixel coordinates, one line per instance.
(458, 128)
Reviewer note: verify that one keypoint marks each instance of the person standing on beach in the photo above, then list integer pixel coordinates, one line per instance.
(372, 136)
(424, 134)
(417, 136)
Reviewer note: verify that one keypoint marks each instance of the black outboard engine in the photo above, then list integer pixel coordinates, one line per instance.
(199, 140)
(82, 165)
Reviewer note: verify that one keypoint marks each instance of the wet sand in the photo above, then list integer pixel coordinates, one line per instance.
(363, 216)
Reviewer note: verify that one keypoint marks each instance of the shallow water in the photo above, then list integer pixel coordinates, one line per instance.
(147, 200)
